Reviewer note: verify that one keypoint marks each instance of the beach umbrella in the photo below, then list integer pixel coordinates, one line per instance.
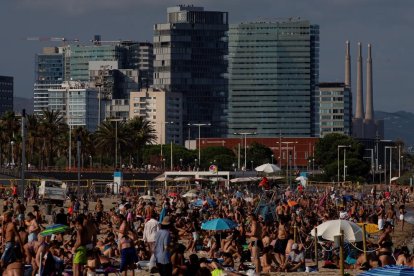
(199, 202)
(182, 179)
(394, 178)
(173, 194)
(163, 178)
(218, 224)
(389, 270)
(147, 197)
(292, 203)
(190, 194)
(244, 179)
(303, 180)
(331, 228)
(268, 168)
(54, 229)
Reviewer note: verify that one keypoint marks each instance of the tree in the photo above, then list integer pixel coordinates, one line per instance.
(51, 125)
(326, 156)
(140, 132)
(224, 157)
(106, 136)
(259, 154)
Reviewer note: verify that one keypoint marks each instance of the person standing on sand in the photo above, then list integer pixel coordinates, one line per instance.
(381, 214)
(402, 212)
(255, 244)
(79, 250)
(10, 236)
(162, 249)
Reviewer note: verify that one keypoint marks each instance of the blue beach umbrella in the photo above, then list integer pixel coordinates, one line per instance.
(218, 224)
(389, 270)
(199, 203)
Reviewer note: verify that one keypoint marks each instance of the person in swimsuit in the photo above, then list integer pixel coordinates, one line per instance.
(255, 236)
(385, 246)
(128, 254)
(281, 243)
(79, 249)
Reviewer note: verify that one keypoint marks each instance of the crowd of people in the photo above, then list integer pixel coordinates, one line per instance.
(163, 233)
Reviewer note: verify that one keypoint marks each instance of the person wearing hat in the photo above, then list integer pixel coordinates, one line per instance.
(295, 262)
(162, 248)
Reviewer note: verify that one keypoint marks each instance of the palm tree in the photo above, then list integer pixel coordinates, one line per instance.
(33, 136)
(87, 144)
(11, 126)
(108, 132)
(50, 124)
(140, 133)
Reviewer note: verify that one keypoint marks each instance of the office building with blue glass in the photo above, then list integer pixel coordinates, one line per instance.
(273, 78)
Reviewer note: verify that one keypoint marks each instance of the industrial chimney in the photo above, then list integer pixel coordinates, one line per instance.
(359, 113)
(369, 107)
(347, 65)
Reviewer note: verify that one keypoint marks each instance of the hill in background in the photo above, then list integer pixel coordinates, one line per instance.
(398, 125)
(23, 103)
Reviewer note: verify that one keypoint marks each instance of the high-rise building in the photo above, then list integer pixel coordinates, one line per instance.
(163, 109)
(190, 58)
(77, 102)
(273, 78)
(141, 57)
(49, 74)
(49, 66)
(6, 94)
(81, 55)
(335, 108)
(118, 109)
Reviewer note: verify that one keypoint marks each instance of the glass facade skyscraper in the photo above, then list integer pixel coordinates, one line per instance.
(190, 58)
(273, 78)
(49, 73)
(80, 56)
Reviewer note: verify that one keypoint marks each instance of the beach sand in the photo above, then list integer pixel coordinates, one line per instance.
(400, 238)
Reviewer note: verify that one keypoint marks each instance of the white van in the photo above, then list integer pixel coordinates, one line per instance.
(52, 191)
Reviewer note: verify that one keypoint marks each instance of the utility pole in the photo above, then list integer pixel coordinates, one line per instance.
(79, 161)
(23, 153)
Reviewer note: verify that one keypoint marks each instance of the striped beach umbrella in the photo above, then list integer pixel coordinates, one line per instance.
(389, 270)
(54, 229)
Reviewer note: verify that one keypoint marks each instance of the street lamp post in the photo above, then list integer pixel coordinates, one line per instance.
(12, 153)
(344, 147)
(161, 142)
(390, 148)
(90, 161)
(116, 139)
(199, 139)
(272, 158)
(287, 156)
(313, 165)
(380, 173)
(372, 164)
(245, 145)
(399, 161)
(181, 163)
(252, 164)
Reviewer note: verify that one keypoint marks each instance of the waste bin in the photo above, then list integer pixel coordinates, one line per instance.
(49, 208)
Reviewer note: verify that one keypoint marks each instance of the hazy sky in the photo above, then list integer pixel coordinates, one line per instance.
(387, 24)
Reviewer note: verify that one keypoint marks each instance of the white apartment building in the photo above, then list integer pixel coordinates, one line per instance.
(163, 109)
